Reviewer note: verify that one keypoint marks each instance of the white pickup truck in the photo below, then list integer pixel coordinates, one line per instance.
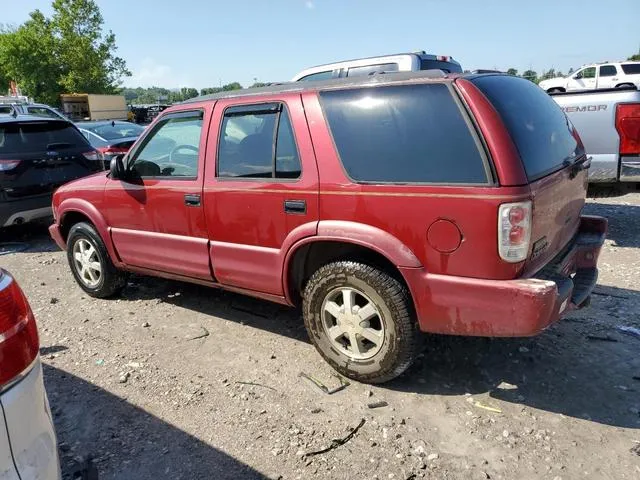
(608, 122)
(596, 76)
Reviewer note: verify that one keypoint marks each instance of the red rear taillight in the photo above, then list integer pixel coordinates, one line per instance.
(628, 127)
(7, 165)
(514, 231)
(18, 333)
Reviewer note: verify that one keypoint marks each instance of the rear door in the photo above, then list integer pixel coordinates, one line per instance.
(552, 155)
(263, 187)
(38, 156)
(607, 76)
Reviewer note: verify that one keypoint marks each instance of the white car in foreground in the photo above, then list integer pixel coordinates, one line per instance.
(28, 446)
(596, 77)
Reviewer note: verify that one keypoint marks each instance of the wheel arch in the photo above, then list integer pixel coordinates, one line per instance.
(76, 210)
(341, 240)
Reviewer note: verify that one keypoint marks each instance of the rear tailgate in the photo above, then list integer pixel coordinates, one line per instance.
(553, 158)
(39, 156)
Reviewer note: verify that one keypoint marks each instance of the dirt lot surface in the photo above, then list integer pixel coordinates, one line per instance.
(150, 385)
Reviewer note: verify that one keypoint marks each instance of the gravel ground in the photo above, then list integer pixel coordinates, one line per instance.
(152, 385)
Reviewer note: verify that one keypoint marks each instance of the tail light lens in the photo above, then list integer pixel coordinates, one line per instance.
(514, 231)
(19, 342)
(7, 165)
(628, 127)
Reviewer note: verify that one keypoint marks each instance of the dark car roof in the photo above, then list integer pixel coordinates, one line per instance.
(28, 118)
(378, 79)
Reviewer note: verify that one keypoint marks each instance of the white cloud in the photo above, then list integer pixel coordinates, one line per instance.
(310, 4)
(150, 73)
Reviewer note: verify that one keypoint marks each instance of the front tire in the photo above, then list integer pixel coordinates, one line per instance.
(90, 262)
(361, 321)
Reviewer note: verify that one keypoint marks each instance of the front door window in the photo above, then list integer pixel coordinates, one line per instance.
(171, 149)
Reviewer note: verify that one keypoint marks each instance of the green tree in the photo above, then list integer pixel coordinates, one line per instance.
(571, 70)
(531, 75)
(188, 93)
(67, 52)
(231, 86)
(635, 57)
(512, 71)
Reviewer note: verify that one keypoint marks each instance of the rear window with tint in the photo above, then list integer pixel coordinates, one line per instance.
(540, 130)
(403, 134)
(26, 137)
(631, 68)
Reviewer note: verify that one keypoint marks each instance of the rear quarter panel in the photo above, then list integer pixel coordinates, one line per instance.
(407, 211)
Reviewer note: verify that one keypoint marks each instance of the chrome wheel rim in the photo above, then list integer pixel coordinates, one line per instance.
(353, 324)
(87, 263)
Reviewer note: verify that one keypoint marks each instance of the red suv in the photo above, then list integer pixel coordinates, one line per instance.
(384, 205)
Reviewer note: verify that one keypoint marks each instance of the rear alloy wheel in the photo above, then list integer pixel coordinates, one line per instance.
(90, 262)
(361, 321)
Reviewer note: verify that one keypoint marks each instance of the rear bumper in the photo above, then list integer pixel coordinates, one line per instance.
(24, 210)
(630, 169)
(510, 308)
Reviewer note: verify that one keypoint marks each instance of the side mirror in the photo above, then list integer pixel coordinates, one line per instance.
(116, 167)
(578, 76)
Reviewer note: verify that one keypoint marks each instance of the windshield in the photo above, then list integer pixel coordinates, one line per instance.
(117, 131)
(541, 131)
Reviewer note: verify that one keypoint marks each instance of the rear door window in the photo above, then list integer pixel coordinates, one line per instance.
(257, 141)
(631, 68)
(608, 71)
(541, 131)
(403, 134)
(29, 137)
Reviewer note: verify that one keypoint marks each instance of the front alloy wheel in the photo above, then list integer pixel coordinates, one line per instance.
(87, 263)
(90, 262)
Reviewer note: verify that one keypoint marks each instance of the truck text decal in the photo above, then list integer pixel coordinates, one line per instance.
(584, 108)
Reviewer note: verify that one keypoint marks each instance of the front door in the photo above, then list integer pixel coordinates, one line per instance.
(584, 79)
(263, 192)
(156, 213)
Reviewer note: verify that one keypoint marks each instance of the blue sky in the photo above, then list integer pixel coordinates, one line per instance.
(204, 43)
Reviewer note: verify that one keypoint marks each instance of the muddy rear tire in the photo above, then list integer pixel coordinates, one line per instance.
(361, 321)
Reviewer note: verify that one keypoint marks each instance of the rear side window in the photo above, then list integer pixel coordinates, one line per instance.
(26, 137)
(541, 131)
(608, 71)
(371, 69)
(631, 68)
(403, 134)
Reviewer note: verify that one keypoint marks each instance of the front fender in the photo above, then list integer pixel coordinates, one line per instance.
(95, 217)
